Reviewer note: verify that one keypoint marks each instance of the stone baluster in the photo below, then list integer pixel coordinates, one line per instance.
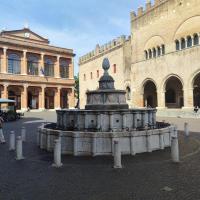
(117, 155)
(186, 129)
(175, 149)
(57, 154)
(23, 134)
(19, 149)
(12, 141)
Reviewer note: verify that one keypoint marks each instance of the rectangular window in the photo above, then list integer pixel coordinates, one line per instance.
(32, 68)
(84, 77)
(14, 66)
(97, 73)
(49, 69)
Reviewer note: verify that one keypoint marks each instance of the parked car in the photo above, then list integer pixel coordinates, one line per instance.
(8, 112)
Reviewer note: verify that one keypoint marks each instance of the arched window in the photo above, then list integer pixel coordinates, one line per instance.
(64, 68)
(150, 54)
(159, 51)
(48, 67)
(128, 93)
(183, 43)
(97, 73)
(163, 49)
(170, 96)
(146, 54)
(177, 45)
(14, 64)
(114, 69)
(196, 39)
(84, 77)
(32, 65)
(189, 41)
(154, 52)
(91, 76)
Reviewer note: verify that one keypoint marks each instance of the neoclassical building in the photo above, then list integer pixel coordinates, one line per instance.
(33, 73)
(165, 56)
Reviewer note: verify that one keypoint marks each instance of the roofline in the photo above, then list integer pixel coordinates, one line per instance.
(25, 29)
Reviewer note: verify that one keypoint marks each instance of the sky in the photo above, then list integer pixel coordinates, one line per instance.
(78, 25)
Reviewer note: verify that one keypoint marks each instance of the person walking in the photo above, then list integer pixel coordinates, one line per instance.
(2, 139)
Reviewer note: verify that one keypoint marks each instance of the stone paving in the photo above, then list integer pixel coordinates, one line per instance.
(149, 176)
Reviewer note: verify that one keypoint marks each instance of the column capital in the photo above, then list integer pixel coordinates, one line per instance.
(42, 54)
(43, 86)
(25, 85)
(5, 84)
(5, 49)
(59, 87)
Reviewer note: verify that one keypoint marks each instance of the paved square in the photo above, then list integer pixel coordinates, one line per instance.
(148, 176)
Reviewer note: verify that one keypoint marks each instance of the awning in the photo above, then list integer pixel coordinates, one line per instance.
(7, 101)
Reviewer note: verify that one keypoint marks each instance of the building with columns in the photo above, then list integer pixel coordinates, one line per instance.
(33, 73)
(165, 56)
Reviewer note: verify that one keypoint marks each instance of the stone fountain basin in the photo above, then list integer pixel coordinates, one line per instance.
(101, 143)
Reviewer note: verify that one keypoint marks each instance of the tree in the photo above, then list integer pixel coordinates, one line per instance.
(76, 90)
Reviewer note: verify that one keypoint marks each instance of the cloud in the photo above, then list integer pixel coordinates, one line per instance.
(79, 25)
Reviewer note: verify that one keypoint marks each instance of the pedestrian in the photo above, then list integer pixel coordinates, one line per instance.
(2, 139)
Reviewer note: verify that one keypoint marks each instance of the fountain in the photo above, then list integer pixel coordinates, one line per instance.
(105, 119)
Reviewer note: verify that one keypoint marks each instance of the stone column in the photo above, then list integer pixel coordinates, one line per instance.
(57, 98)
(4, 94)
(188, 98)
(192, 40)
(4, 63)
(24, 63)
(161, 99)
(42, 98)
(71, 98)
(24, 97)
(57, 67)
(71, 69)
(41, 65)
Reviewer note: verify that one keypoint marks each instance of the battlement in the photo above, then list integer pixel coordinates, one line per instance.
(149, 7)
(99, 50)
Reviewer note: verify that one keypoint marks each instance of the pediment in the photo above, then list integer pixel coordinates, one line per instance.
(26, 34)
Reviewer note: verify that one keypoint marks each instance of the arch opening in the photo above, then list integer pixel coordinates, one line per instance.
(128, 93)
(150, 94)
(14, 93)
(196, 90)
(174, 93)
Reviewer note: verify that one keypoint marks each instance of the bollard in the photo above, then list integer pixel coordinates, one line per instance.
(117, 155)
(23, 134)
(186, 129)
(19, 154)
(175, 150)
(2, 139)
(12, 141)
(57, 154)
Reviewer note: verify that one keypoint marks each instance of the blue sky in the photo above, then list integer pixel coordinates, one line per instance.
(79, 24)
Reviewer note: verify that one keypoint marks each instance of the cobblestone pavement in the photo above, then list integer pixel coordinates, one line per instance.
(149, 176)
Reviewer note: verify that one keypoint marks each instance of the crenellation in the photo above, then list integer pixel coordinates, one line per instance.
(150, 13)
(140, 11)
(148, 5)
(104, 48)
